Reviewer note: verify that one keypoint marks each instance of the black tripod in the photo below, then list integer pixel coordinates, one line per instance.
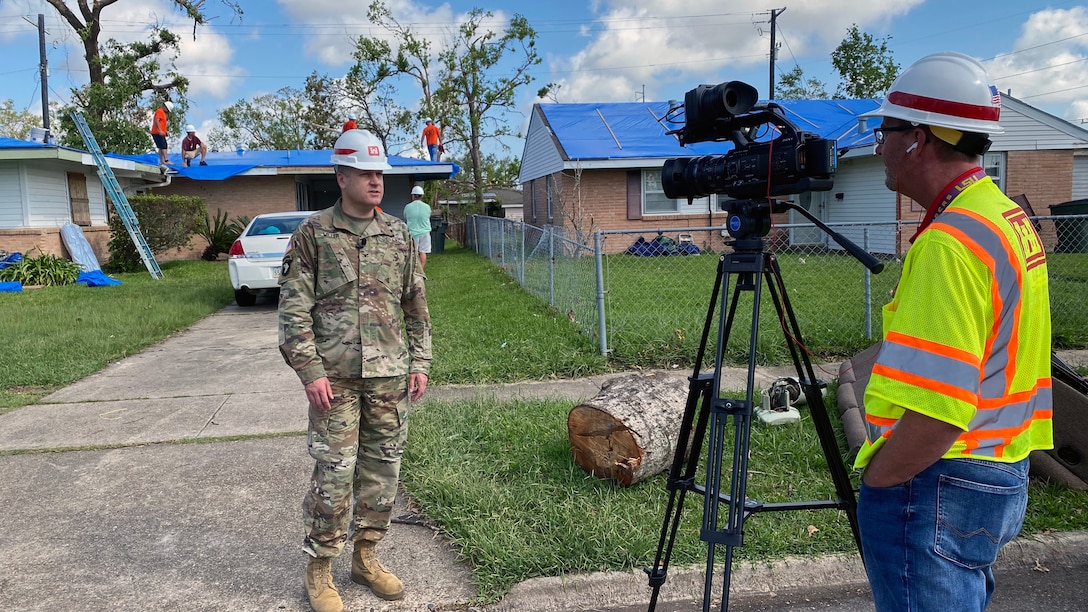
(708, 413)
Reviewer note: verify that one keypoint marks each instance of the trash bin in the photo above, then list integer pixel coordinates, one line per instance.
(1072, 233)
(438, 234)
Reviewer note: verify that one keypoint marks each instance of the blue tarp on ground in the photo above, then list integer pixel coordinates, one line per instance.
(10, 286)
(96, 278)
(661, 245)
(635, 130)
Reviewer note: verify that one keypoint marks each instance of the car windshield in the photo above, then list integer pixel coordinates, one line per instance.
(274, 226)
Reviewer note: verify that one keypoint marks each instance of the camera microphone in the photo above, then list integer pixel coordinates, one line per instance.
(361, 243)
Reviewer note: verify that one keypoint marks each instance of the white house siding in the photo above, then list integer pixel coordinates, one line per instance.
(540, 157)
(12, 204)
(47, 190)
(1029, 129)
(1080, 177)
(865, 200)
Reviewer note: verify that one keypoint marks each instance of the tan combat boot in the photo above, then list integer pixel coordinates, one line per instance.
(368, 571)
(319, 587)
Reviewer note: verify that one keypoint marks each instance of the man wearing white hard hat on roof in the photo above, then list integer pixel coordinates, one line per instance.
(160, 127)
(431, 140)
(417, 214)
(354, 325)
(960, 392)
(191, 146)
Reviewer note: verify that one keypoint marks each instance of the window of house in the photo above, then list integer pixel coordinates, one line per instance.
(655, 202)
(994, 164)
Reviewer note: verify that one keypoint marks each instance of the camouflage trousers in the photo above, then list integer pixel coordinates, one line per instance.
(357, 447)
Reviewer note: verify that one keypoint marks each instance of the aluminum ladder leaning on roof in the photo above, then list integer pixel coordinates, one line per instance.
(117, 195)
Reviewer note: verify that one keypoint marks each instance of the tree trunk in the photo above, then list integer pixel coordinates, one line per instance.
(628, 432)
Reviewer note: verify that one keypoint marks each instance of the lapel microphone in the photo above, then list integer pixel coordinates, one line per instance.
(361, 243)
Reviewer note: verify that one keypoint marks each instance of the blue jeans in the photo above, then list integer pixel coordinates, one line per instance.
(929, 543)
(432, 150)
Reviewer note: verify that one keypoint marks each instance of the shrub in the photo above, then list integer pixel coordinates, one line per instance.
(167, 222)
(220, 233)
(46, 269)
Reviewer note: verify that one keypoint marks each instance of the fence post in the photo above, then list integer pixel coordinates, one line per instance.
(551, 265)
(488, 240)
(598, 258)
(868, 289)
(521, 276)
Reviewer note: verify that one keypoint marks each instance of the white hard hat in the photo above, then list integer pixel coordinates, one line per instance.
(351, 116)
(189, 128)
(945, 90)
(169, 105)
(428, 121)
(360, 149)
(417, 190)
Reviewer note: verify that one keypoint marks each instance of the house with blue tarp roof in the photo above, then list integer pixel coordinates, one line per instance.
(44, 186)
(591, 166)
(247, 183)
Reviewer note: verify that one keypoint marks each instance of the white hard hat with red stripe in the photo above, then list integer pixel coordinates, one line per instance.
(945, 90)
(360, 149)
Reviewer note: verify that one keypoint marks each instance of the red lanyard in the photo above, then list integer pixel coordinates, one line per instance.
(954, 189)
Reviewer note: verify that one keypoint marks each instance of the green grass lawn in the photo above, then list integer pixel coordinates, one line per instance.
(497, 477)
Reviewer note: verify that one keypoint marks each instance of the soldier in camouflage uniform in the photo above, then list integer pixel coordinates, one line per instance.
(354, 325)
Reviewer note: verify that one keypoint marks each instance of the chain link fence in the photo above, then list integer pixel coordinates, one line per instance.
(644, 295)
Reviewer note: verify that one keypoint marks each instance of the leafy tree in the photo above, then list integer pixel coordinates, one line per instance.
(17, 123)
(131, 69)
(793, 85)
(272, 121)
(499, 172)
(866, 67)
(115, 110)
(481, 73)
(380, 62)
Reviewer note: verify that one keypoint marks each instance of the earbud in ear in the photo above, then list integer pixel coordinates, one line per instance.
(912, 147)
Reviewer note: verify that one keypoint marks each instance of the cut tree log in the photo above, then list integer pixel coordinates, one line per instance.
(628, 432)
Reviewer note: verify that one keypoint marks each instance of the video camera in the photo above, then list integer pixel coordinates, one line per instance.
(794, 162)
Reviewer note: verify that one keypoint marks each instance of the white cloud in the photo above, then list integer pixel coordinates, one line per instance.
(665, 43)
(1048, 63)
(331, 32)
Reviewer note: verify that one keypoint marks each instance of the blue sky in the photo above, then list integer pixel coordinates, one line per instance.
(598, 50)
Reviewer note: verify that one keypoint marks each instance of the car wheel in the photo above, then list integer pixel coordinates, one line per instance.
(244, 298)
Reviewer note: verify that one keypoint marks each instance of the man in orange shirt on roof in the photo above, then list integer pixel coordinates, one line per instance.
(159, 129)
(432, 140)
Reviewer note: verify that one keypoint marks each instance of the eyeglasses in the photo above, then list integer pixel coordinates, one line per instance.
(880, 133)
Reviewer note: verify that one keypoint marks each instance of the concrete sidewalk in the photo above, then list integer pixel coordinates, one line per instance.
(121, 518)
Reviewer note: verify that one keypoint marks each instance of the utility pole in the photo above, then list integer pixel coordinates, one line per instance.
(45, 75)
(774, 49)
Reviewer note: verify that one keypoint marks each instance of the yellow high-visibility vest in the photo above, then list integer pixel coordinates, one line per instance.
(967, 333)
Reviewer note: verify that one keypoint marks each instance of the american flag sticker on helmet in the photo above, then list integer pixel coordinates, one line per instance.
(995, 96)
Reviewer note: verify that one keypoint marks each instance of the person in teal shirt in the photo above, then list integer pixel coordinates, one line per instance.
(418, 215)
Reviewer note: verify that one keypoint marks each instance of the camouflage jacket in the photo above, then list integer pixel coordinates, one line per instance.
(352, 301)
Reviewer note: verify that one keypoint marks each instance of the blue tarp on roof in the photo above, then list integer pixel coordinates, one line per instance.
(223, 164)
(631, 130)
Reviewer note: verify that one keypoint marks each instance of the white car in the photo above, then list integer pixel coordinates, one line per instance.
(257, 256)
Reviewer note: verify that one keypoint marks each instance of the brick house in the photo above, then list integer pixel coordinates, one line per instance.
(248, 183)
(598, 166)
(44, 186)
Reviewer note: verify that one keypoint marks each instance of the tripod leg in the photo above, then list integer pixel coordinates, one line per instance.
(682, 474)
